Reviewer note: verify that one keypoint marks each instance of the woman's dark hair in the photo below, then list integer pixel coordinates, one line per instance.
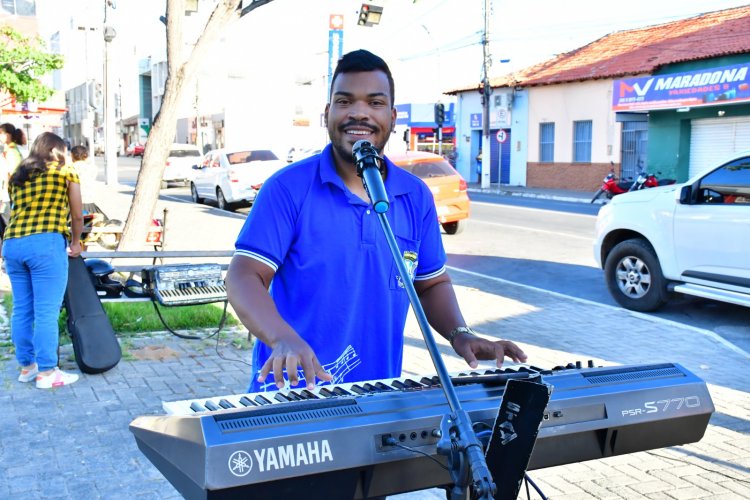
(16, 134)
(46, 148)
(79, 153)
(363, 60)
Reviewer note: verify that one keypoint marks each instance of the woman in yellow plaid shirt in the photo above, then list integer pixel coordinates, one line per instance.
(44, 191)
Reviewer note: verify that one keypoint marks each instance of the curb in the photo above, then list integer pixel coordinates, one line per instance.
(538, 195)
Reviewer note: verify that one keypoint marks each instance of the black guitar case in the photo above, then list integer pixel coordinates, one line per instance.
(94, 342)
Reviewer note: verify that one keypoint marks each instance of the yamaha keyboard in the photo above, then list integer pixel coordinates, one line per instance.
(184, 284)
(333, 442)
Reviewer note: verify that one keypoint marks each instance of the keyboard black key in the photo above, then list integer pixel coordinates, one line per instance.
(244, 401)
(341, 392)
(211, 405)
(326, 393)
(226, 404)
(308, 395)
(294, 396)
(281, 397)
(262, 400)
(197, 407)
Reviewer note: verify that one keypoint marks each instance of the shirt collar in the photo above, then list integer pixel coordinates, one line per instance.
(394, 181)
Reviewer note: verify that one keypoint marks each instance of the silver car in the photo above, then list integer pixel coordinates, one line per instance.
(232, 177)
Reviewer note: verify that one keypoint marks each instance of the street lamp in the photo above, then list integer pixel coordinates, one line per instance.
(486, 91)
(87, 123)
(110, 145)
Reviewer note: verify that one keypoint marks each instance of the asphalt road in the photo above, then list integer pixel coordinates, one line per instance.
(541, 243)
(548, 244)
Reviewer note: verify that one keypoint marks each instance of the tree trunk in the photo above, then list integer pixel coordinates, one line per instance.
(181, 75)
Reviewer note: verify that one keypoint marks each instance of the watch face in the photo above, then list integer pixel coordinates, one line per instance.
(457, 331)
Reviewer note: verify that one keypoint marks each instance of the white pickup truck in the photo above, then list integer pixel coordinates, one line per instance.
(691, 238)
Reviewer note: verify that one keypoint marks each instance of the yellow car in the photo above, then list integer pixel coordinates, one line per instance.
(448, 187)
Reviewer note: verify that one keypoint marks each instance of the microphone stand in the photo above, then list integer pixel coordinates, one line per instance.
(466, 461)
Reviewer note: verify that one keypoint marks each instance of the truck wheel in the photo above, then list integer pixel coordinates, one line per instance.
(454, 227)
(634, 276)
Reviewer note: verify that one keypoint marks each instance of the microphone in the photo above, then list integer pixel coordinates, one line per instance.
(367, 160)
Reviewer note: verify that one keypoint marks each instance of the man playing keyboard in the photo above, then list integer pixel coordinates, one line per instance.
(313, 277)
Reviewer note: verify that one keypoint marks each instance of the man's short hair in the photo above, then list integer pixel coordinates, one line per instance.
(363, 60)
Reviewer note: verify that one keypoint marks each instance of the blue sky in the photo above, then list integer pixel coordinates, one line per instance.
(434, 45)
(431, 45)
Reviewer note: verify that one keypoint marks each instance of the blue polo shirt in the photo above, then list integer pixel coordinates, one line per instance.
(335, 279)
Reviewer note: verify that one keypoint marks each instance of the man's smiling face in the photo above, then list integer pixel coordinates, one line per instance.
(361, 108)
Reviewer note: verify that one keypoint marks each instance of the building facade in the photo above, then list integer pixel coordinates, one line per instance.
(578, 116)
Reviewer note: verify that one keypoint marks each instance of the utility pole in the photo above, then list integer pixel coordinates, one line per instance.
(486, 91)
(196, 107)
(110, 135)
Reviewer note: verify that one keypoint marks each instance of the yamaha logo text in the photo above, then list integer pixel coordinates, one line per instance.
(293, 455)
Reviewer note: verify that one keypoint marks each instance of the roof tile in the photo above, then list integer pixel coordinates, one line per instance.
(640, 51)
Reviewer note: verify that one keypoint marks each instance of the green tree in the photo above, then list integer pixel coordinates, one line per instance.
(23, 61)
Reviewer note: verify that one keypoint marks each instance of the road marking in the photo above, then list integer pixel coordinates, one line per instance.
(706, 333)
(201, 205)
(525, 228)
(487, 203)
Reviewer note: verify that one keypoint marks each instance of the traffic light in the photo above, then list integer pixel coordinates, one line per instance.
(369, 15)
(439, 114)
(94, 90)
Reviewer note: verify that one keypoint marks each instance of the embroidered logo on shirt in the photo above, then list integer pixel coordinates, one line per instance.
(410, 261)
(344, 364)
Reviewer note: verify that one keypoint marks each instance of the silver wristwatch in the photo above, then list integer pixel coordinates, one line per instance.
(458, 331)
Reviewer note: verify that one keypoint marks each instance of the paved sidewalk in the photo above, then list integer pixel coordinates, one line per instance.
(74, 442)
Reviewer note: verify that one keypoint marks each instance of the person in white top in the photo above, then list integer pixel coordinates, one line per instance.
(87, 174)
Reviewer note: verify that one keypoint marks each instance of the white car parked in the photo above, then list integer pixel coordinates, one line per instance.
(179, 168)
(233, 176)
(691, 238)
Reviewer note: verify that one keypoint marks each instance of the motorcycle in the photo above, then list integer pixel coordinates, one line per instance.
(611, 187)
(646, 180)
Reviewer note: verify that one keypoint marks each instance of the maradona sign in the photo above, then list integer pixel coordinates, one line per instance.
(705, 87)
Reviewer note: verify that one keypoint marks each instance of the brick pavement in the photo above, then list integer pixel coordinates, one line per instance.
(74, 443)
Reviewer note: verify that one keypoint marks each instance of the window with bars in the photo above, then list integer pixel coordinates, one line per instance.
(547, 142)
(19, 7)
(582, 141)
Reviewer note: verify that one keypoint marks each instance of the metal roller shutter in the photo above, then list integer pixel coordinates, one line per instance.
(713, 139)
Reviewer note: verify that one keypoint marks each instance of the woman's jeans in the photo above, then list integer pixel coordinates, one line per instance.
(37, 266)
